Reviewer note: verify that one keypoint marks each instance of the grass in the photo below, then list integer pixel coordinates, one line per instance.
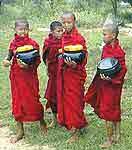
(57, 137)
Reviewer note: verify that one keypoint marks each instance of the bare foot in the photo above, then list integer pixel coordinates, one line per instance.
(1, 125)
(44, 128)
(53, 124)
(117, 139)
(17, 138)
(73, 139)
(106, 144)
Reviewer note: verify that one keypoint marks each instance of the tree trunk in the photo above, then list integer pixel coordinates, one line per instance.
(0, 6)
(23, 2)
(114, 5)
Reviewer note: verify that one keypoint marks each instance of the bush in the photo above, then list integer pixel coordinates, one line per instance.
(89, 13)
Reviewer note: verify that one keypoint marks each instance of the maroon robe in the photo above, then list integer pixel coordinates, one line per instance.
(70, 86)
(51, 47)
(25, 85)
(105, 96)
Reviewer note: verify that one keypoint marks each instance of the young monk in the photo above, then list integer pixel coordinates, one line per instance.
(51, 47)
(70, 84)
(26, 106)
(104, 94)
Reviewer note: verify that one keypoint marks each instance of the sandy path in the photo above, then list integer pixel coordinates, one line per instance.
(6, 145)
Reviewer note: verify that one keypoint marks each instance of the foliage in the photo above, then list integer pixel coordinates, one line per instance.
(128, 1)
(56, 137)
(89, 13)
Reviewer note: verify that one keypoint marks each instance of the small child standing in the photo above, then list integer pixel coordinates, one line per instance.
(104, 94)
(71, 77)
(26, 106)
(51, 47)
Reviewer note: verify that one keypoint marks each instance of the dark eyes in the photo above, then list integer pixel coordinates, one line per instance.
(60, 31)
(67, 22)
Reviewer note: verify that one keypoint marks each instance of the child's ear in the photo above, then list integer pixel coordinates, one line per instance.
(114, 35)
(31, 29)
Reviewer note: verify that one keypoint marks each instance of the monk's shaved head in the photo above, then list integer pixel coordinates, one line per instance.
(111, 28)
(111, 25)
(110, 32)
(54, 25)
(22, 22)
(68, 14)
(68, 20)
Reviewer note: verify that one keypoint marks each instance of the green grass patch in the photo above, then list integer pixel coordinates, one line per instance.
(56, 137)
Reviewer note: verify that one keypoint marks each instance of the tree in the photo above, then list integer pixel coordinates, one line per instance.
(128, 1)
(114, 5)
(0, 6)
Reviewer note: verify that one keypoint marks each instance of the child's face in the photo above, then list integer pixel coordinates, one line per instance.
(21, 30)
(57, 33)
(68, 22)
(108, 36)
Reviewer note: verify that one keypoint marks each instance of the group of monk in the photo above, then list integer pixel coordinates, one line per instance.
(65, 87)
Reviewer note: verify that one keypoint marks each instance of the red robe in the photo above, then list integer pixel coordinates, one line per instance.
(51, 47)
(25, 85)
(70, 87)
(105, 96)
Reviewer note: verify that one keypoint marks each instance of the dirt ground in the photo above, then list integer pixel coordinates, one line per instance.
(21, 145)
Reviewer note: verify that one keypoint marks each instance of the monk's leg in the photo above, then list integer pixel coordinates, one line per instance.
(43, 126)
(1, 125)
(75, 136)
(54, 121)
(117, 132)
(109, 130)
(54, 111)
(19, 134)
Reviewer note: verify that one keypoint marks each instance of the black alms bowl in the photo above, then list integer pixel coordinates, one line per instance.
(28, 57)
(109, 67)
(78, 56)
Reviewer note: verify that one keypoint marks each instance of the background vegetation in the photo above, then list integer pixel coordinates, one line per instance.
(90, 16)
